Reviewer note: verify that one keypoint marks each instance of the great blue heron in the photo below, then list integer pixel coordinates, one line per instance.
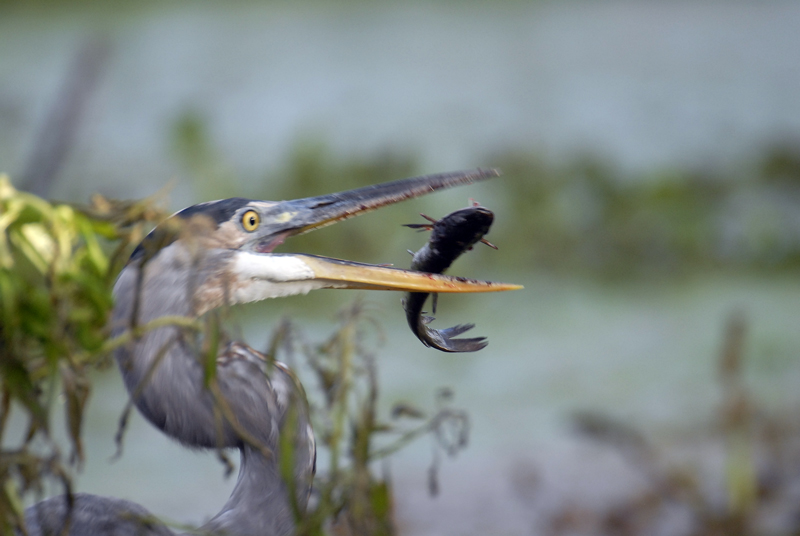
(206, 256)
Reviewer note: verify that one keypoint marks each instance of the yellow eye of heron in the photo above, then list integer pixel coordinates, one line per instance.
(250, 220)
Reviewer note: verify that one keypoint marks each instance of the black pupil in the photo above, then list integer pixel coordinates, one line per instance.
(252, 220)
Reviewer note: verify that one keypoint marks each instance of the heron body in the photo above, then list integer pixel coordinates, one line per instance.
(90, 515)
(204, 257)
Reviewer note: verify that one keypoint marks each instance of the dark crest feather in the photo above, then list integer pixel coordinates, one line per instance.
(218, 211)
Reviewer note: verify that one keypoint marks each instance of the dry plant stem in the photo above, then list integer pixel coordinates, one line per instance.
(222, 403)
(221, 456)
(433, 425)
(57, 135)
(346, 345)
(742, 485)
(56, 294)
(5, 410)
(160, 322)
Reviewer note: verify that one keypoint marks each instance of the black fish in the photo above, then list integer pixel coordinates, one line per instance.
(450, 237)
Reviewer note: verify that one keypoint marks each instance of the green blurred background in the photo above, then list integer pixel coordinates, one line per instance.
(651, 153)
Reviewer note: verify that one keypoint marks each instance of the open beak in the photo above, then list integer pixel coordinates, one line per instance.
(299, 216)
(302, 215)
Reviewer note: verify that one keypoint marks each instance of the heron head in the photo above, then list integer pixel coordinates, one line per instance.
(244, 232)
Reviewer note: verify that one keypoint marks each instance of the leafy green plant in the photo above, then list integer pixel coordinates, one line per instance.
(55, 280)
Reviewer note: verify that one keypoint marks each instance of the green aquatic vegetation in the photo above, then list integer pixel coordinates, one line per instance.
(57, 265)
(589, 217)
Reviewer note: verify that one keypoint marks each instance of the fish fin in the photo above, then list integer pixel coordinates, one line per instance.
(419, 226)
(467, 345)
(444, 339)
(456, 330)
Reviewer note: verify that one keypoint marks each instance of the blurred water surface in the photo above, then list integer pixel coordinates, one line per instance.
(645, 85)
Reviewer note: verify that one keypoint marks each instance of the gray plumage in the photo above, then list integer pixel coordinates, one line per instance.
(90, 515)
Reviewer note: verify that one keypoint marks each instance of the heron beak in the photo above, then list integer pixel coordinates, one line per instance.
(299, 216)
(302, 215)
(354, 275)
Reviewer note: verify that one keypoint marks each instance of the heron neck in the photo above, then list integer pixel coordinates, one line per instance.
(161, 367)
(166, 378)
(259, 504)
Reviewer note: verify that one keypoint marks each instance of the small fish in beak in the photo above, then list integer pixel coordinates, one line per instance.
(450, 237)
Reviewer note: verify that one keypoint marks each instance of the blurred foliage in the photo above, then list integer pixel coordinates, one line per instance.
(757, 490)
(55, 285)
(191, 143)
(341, 380)
(588, 217)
